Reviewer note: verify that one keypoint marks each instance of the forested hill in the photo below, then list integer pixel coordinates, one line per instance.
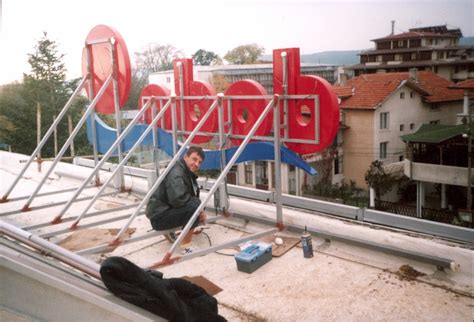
(342, 57)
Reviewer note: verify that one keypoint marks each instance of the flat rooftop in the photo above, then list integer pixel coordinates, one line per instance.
(342, 281)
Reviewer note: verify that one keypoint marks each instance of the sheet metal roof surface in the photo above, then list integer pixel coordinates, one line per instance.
(434, 133)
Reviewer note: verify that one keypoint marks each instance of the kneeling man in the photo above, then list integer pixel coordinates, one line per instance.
(177, 198)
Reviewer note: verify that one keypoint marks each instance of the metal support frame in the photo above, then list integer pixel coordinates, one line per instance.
(167, 258)
(221, 203)
(69, 219)
(215, 248)
(181, 96)
(277, 146)
(174, 125)
(49, 205)
(68, 142)
(127, 157)
(98, 166)
(51, 249)
(92, 116)
(274, 104)
(45, 138)
(145, 200)
(119, 179)
(44, 194)
(155, 135)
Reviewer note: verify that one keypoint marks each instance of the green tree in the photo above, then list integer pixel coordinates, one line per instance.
(206, 58)
(155, 58)
(16, 120)
(379, 180)
(45, 87)
(244, 54)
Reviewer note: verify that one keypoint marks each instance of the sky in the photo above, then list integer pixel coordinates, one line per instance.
(214, 25)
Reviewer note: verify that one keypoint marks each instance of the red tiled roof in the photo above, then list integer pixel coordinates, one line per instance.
(438, 88)
(467, 84)
(369, 90)
(344, 91)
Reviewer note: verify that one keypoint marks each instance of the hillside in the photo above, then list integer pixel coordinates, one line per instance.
(465, 41)
(342, 57)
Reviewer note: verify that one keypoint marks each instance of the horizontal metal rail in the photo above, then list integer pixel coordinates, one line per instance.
(49, 193)
(452, 232)
(89, 215)
(50, 249)
(88, 225)
(439, 262)
(150, 234)
(54, 204)
(239, 97)
(216, 248)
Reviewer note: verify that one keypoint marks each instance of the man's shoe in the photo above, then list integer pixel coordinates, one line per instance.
(171, 237)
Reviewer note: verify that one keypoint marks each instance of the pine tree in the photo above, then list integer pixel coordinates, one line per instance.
(46, 87)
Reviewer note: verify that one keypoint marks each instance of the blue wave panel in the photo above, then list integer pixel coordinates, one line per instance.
(254, 151)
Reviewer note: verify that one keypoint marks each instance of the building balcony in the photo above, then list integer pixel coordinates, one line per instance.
(462, 75)
(435, 173)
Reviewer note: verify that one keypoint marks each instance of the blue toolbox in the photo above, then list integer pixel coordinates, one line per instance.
(253, 256)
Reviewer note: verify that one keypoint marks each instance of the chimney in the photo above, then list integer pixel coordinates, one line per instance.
(343, 79)
(413, 74)
(393, 27)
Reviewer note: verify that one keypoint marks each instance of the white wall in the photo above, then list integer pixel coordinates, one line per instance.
(408, 111)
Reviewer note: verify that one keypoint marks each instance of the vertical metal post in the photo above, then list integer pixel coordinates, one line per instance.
(38, 133)
(222, 201)
(285, 92)
(173, 124)
(55, 138)
(92, 116)
(182, 126)
(69, 125)
(297, 182)
(118, 117)
(155, 138)
(229, 115)
(420, 198)
(277, 149)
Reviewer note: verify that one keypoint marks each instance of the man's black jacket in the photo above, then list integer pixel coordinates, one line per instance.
(178, 187)
(175, 299)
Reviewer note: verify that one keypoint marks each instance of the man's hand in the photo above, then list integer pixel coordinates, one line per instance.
(202, 217)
